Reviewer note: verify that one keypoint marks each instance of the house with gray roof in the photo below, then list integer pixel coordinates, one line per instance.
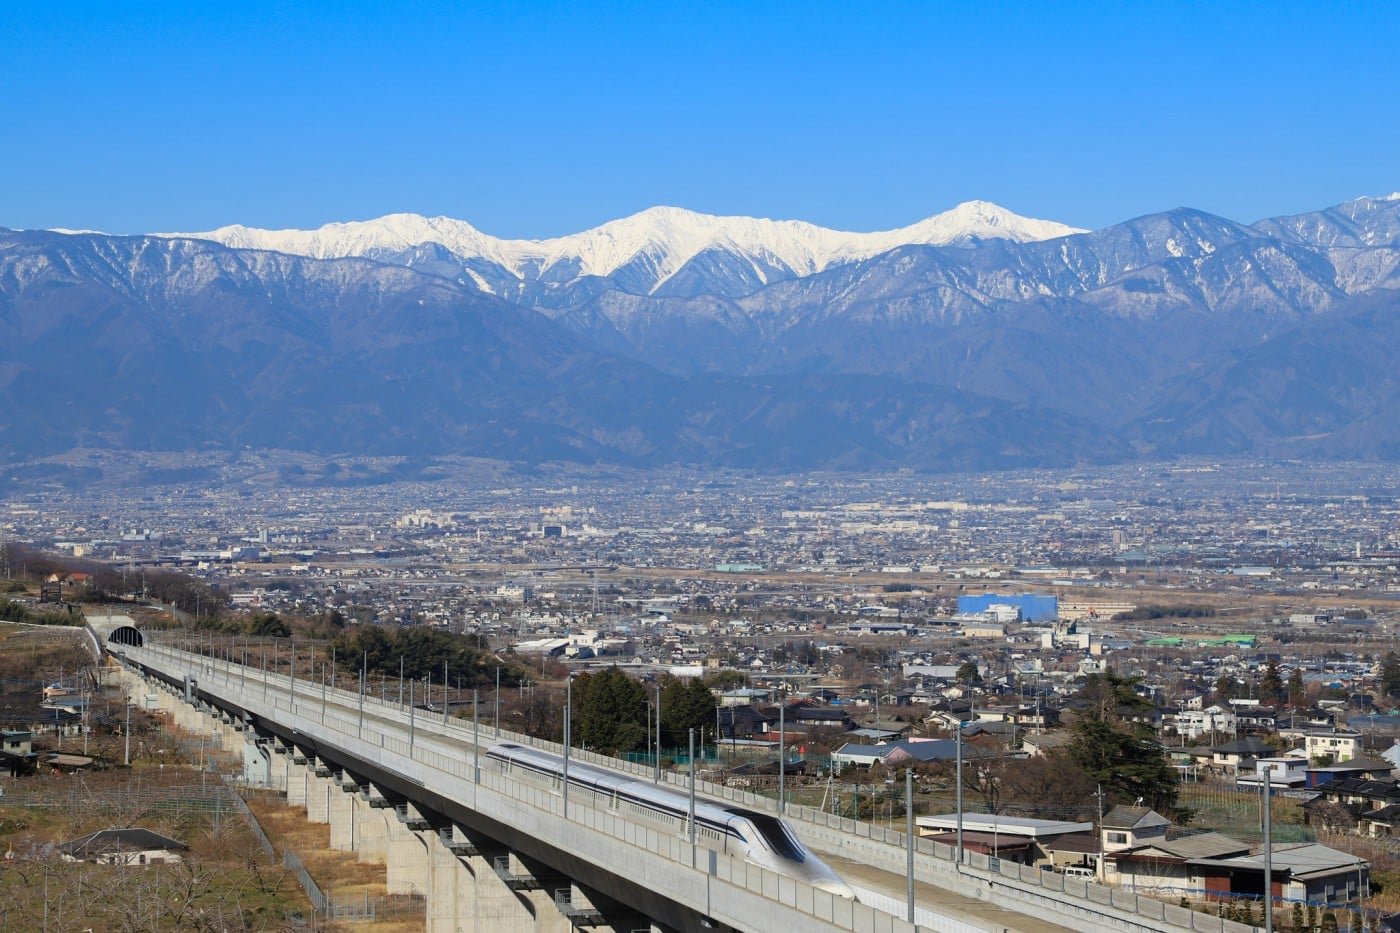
(1166, 865)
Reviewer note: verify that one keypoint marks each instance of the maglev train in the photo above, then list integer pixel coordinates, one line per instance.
(759, 838)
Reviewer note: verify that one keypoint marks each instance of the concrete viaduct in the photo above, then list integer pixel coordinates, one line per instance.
(492, 852)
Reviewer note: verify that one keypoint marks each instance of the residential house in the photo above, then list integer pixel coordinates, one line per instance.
(742, 722)
(1214, 719)
(17, 752)
(19, 742)
(1044, 743)
(812, 717)
(1166, 864)
(744, 696)
(905, 753)
(1374, 769)
(1284, 771)
(1256, 719)
(1044, 843)
(1127, 827)
(1355, 805)
(1037, 716)
(1306, 872)
(1227, 758)
(1332, 745)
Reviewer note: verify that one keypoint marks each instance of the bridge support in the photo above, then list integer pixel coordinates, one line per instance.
(372, 827)
(451, 887)
(495, 900)
(298, 780)
(548, 916)
(257, 764)
(277, 762)
(343, 815)
(319, 792)
(226, 738)
(407, 862)
(548, 919)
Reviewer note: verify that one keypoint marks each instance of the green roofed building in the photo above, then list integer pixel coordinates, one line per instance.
(1245, 641)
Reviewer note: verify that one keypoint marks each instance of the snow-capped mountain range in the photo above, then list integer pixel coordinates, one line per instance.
(974, 339)
(663, 239)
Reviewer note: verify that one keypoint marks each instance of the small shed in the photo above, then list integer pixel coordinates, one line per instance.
(133, 846)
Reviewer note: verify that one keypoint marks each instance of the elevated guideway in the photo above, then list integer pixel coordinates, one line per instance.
(495, 851)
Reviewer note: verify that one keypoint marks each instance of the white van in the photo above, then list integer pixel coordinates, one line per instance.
(1078, 871)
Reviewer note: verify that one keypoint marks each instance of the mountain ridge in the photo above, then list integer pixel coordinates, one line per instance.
(1174, 333)
(669, 237)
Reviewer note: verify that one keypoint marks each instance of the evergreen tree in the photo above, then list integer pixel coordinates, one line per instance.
(968, 673)
(1271, 688)
(1297, 692)
(424, 652)
(266, 625)
(686, 705)
(609, 712)
(1390, 674)
(1226, 688)
(1118, 754)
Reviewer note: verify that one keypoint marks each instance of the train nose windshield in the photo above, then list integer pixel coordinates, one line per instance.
(777, 836)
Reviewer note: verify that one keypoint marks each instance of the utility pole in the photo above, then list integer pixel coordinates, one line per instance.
(1269, 857)
(126, 734)
(657, 764)
(364, 664)
(476, 738)
(909, 840)
(692, 798)
(782, 751)
(498, 698)
(568, 731)
(958, 727)
(1098, 869)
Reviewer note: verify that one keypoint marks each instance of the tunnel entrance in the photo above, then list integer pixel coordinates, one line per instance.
(127, 635)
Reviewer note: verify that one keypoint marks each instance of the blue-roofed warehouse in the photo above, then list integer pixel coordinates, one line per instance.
(1034, 608)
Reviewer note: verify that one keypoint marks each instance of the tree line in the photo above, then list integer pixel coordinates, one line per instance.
(611, 712)
(422, 652)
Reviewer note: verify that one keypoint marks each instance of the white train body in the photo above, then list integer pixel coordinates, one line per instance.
(759, 838)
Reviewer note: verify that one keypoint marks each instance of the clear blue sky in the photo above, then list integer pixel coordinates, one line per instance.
(535, 119)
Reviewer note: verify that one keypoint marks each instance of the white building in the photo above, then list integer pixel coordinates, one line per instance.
(1194, 723)
(1336, 744)
(1282, 772)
